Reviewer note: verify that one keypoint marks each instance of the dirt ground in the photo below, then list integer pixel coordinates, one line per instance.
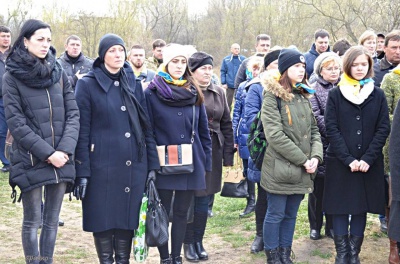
(72, 242)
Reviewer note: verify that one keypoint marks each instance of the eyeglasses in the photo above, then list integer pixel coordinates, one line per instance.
(331, 69)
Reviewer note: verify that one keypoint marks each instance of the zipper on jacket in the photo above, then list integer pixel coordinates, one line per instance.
(52, 129)
(288, 114)
(30, 155)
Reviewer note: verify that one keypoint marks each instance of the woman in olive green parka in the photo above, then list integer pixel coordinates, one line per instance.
(293, 153)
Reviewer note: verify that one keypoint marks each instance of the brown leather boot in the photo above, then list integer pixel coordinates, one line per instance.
(394, 253)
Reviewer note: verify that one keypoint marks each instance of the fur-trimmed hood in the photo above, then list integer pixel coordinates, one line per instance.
(269, 81)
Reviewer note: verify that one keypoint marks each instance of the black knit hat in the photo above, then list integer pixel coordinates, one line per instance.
(288, 58)
(107, 41)
(270, 57)
(199, 59)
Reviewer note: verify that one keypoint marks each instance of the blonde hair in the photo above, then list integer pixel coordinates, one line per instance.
(368, 34)
(255, 62)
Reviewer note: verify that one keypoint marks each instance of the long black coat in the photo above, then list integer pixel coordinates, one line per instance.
(173, 125)
(220, 125)
(107, 153)
(41, 120)
(355, 132)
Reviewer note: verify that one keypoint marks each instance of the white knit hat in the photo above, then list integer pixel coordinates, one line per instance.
(173, 50)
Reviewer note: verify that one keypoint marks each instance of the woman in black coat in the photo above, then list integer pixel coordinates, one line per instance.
(172, 99)
(220, 125)
(357, 125)
(43, 118)
(115, 153)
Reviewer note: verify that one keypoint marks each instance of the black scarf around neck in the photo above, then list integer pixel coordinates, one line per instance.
(137, 116)
(32, 71)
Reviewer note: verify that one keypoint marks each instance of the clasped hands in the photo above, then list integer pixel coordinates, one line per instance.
(359, 166)
(58, 159)
(311, 165)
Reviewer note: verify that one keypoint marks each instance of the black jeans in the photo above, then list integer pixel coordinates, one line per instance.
(261, 209)
(31, 202)
(180, 209)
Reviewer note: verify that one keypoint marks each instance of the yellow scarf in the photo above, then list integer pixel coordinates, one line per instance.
(346, 80)
(163, 73)
(397, 70)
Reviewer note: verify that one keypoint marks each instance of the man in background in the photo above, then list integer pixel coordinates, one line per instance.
(5, 47)
(320, 45)
(136, 59)
(263, 44)
(229, 68)
(74, 63)
(154, 61)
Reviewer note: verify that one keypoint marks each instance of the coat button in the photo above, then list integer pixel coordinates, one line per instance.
(127, 189)
(309, 189)
(179, 113)
(116, 83)
(123, 108)
(127, 135)
(182, 136)
(128, 163)
(358, 132)
(359, 146)
(305, 136)
(358, 117)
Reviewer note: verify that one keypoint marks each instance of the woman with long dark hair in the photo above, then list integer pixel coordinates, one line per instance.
(116, 151)
(174, 100)
(43, 118)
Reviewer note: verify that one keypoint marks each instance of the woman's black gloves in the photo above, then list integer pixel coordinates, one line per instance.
(80, 188)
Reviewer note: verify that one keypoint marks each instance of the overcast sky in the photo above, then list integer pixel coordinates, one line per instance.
(95, 6)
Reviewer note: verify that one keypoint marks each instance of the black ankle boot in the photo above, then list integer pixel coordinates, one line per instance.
(176, 260)
(273, 256)
(104, 248)
(123, 250)
(285, 255)
(190, 253)
(201, 252)
(342, 249)
(250, 207)
(166, 261)
(258, 244)
(355, 248)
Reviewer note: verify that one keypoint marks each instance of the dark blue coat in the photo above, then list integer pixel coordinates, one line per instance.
(107, 153)
(172, 126)
(310, 57)
(240, 129)
(229, 68)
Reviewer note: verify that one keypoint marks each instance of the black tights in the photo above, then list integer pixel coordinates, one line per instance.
(180, 208)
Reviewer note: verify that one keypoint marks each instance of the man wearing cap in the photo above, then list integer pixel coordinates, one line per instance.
(230, 66)
(380, 45)
(263, 44)
(320, 45)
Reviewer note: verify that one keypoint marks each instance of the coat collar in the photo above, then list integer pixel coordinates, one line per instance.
(103, 80)
(212, 88)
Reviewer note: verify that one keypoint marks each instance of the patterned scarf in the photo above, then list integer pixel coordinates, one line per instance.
(347, 81)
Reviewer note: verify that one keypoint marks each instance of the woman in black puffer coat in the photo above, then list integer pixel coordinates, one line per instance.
(43, 118)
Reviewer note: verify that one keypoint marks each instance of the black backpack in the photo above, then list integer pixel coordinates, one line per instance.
(256, 141)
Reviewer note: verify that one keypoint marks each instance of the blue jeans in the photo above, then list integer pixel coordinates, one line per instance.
(3, 134)
(31, 202)
(280, 220)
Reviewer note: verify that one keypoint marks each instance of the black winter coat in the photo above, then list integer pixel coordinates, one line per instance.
(41, 121)
(355, 132)
(83, 65)
(107, 153)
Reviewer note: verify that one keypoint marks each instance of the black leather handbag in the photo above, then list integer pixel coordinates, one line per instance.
(156, 219)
